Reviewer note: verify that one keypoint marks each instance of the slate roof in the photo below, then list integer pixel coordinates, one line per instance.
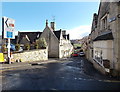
(105, 36)
(66, 36)
(31, 35)
(57, 34)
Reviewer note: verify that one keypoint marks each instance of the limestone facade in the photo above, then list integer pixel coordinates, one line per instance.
(58, 42)
(105, 38)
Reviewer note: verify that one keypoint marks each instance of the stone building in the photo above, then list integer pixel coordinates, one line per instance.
(104, 51)
(27, 37)
(58, 42)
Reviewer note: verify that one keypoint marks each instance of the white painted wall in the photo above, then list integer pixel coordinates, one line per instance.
(65, 48)
(106, 47)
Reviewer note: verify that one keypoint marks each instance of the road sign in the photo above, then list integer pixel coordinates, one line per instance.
(8, 32)
(8, 27)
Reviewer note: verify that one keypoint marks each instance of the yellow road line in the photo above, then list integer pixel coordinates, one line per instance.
(13, 68)
(111, 81)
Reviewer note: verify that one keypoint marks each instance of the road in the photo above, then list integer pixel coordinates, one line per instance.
(68, 74)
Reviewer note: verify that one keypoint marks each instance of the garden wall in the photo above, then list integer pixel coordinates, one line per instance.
(31, 55)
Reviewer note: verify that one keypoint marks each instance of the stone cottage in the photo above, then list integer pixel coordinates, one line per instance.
(58, 42)
(104, 51)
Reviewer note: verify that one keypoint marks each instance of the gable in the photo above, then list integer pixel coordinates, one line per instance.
(47, 33)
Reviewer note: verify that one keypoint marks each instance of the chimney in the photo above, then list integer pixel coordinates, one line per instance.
(53, 25)
(46, 22)
(64, 32)
(68, 37)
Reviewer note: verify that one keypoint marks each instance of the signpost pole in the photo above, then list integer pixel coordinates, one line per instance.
(9, 51)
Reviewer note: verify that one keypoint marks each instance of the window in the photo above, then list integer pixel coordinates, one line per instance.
(98, 56)
(104, 23)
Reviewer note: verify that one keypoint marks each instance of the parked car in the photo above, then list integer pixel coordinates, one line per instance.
(81, 54)
(75, 55)
(12, 48)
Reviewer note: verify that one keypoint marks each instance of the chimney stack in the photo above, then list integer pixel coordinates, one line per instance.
(53, 25)
(46, 22)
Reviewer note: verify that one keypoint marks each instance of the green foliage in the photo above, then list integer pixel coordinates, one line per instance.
(17, 47)
(4, 48)
(77, 45)
(27, 46)
(36, 45)
(41, 43)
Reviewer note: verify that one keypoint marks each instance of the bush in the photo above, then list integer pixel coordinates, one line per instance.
(41, 43)
(27, 46)
(4, 48)
(17, 47)
(36, 46)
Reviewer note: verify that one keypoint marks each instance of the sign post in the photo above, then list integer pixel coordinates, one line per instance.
(8, 46)
(8, 32)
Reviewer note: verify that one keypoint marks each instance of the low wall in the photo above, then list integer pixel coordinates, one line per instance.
(31, 55)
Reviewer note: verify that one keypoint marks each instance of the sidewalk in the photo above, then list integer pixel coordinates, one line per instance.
(13, 65)
(23, 64)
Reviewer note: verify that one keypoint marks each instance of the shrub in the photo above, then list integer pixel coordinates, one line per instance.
(27, 46)
(41, 43)
(17, 47)
(4, 48)
(36, 45)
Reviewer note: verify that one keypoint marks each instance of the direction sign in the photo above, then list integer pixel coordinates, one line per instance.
(8, 27)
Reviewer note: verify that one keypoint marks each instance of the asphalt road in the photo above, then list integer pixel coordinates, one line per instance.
(68, 74)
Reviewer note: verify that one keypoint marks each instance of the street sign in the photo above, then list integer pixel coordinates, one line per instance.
(8, 27)
(8, 32)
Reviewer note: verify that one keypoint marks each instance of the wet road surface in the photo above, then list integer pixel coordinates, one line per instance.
(69, 74)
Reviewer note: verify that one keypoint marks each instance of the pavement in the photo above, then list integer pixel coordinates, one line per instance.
(23, 64)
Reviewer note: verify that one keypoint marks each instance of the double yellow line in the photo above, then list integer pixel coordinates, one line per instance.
(12, 68)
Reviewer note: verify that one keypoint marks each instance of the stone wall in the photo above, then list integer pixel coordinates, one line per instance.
(31, 55)
(110, 10)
